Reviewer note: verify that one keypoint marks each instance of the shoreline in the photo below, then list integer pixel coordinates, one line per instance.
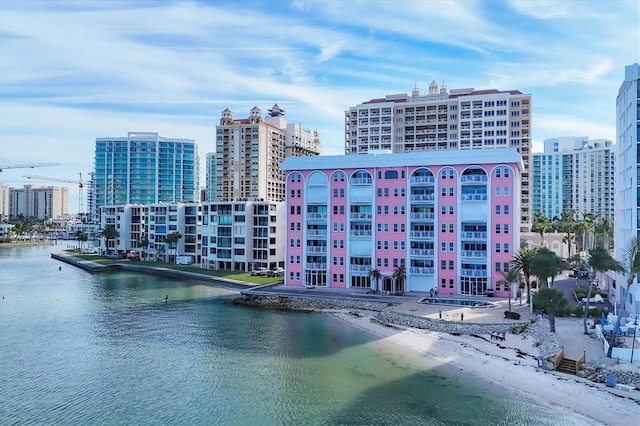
(510, 365)
(503, 365)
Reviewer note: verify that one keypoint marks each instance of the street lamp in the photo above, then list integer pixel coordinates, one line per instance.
(635, 329)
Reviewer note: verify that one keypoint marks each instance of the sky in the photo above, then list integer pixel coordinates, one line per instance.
(72, 71)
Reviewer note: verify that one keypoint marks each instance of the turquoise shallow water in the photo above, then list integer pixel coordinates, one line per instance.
(105, 349)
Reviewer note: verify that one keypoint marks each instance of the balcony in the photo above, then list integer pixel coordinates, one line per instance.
(361, 216)
(361, 181)
(360, 233)
(421, 270)
(422, 252)
(316, 266)
(473, 178)
(422, 216)
(476, 254)
(360, 268)
(422, 197)
(473, 197)
(422, 179)
(317, 232)
(316, 216)
(473, 235)
(316, 249)
(421, 234)
(473, 272)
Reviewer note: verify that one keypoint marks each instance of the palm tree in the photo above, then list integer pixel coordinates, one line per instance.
(546, 264)
(143, 242)
(512, 276)
(551, 301)
(541, 225)
(375, 274)
(584, 228)
(600, 261)
(109, 233)
(604, 226)
(522, 263)
(172, 240)
(399, 273)
(82, 237)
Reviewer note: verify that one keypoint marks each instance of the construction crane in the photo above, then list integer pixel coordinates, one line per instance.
(55, 179)
(28, 166)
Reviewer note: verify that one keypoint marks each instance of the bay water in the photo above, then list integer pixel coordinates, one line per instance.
(106, 349)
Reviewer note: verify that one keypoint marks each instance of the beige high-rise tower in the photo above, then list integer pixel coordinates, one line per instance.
(460, 119)
(249, 152)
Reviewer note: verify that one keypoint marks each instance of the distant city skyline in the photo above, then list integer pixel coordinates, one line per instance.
(71, 72)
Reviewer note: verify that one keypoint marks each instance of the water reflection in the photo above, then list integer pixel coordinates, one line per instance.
(107, 349)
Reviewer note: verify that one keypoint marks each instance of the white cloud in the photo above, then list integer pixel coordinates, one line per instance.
(74, 71)
(544, 9)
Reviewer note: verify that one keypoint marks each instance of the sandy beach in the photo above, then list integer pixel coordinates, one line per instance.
(511, 365)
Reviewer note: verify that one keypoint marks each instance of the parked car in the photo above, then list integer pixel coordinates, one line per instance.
(261, 272)
(113, 256)
(277, 272)
(133, 256)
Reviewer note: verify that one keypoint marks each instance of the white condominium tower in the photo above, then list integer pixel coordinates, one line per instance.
(627, 190)
(573, 173)
(248, 154)
(145, 168)
(444, 119)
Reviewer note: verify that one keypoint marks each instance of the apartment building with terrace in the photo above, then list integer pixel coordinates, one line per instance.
(448, 220)
(442, 119)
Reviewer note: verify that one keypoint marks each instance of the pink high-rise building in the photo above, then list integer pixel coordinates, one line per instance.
(445, 220)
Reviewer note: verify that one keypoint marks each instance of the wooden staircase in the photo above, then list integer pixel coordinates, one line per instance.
(568, 366)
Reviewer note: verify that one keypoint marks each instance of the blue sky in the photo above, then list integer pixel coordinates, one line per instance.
(73, 71)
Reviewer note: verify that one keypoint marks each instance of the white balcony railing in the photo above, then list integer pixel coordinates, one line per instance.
(473, 273)
(317, 216)
(360, 268)
(473, 178)
(473, 197)
(421, 270)
(360, 233)
(474, 235)
(422, 234)
(355, 216)
(418, 216)
(422, 252)
(473, 253)
(316, 249)
(422, 197)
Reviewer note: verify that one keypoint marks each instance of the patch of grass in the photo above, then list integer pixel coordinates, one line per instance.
(238, 276)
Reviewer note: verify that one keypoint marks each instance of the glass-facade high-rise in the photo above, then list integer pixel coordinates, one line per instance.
(573, 173)
(145, 168)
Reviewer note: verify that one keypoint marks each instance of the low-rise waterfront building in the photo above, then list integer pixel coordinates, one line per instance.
(239, 235)
(243, 235)
(445, 221)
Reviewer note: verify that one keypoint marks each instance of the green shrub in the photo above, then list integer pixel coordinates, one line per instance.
(511, 315)
(519, 329)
